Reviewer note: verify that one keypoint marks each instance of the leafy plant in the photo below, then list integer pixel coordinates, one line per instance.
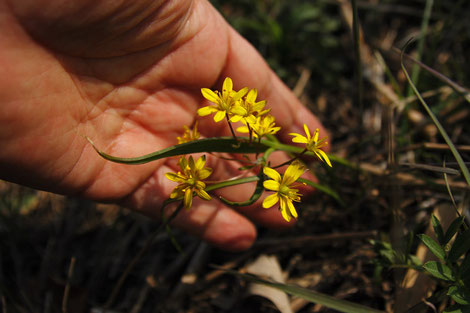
(452, 269)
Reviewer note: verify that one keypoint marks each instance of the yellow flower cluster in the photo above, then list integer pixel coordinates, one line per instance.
(313, 144)
(284, 193)
(189, 180)
(242, 106)
(189, 135)
(233, 105)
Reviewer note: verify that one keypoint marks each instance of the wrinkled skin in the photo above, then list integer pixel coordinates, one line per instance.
(128, 75)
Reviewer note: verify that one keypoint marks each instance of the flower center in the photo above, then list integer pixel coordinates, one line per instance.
(283, 189)
(191, 181)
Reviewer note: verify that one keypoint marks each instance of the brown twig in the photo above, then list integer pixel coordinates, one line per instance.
(65, 299)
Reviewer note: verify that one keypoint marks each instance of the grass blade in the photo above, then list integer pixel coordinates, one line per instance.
(424, 29)
(458, 158)
(312, 296)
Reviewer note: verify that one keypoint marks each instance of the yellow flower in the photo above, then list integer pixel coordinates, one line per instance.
(249, 108)
(189, 180)
(285, 194)
(224, 102)
(264, 125)
(313, 144)
(189, 135)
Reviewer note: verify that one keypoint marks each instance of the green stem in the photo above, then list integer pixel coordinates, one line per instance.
(291, 160)
(231, 128)
(424, 29)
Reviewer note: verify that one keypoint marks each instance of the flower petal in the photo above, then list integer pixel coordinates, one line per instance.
(271, 200)
(243, 129)
(191, 163)
(235, 118)
(188, 198)
(285, 215)
(227, 85)
(298, 138)
(203, 194)
(250, 119)
(205, 172)
(292, 173)
(307, 132)
(175, 177)
(252, 94)
(239, 110)
(291, 209)
(324, 156)
(271, 185)
(206, 110)
(210, 95)
(258, 106)
(200, 162)
(219, 116)
(271, 173)
(315, 135)
(283, 208)
(239, 94)
(183, 163)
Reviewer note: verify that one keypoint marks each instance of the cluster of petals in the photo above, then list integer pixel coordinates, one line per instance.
(312, 143)
(240, 108)
(225, 102)
(189, 180)
(285, 194)
(248, 109)
(263, 125)
(189, 135)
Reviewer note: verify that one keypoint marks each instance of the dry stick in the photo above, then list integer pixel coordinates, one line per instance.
(65, 299)
(134, 261)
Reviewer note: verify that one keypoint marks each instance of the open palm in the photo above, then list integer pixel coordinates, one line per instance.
(128, 75)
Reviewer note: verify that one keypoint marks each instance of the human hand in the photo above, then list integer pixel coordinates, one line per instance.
(128, 75)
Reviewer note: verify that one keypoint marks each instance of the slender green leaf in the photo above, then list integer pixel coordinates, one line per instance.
(215, 144)
(322, 188)
(453, 229)
(231, 182)
(222, 144)
(438, 270)
(456, 154)
(449, 191)
(460, 246)
(422, 39)
(459, 295)
(312, 296)
(433, 246)
(256, 194)
(436, 225)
